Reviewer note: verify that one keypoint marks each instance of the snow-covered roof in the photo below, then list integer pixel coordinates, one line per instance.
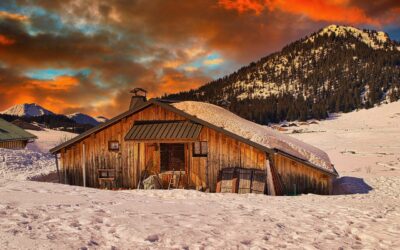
(11, 132)
(256, 133)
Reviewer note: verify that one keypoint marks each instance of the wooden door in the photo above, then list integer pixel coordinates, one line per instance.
(152, 158)
(172, 157)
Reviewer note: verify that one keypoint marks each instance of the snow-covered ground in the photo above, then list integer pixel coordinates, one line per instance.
(35, 160)
(363, 145)
(54, 216)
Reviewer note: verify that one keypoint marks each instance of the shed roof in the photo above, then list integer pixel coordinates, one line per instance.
(164, 130)
(10, 132)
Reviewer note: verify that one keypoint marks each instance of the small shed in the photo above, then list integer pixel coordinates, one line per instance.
(193, 145)
(13, 137)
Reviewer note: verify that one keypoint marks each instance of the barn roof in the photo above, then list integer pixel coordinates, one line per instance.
(209, 115)
(164, 130)
(10, 132)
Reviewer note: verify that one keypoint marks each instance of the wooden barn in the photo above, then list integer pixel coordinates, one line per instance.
(13, 137)
(192, 145)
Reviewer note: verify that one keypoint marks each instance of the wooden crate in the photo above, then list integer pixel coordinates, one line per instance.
(228, 182)
(242, 181)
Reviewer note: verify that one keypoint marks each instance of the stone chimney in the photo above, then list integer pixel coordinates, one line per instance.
(138, 97)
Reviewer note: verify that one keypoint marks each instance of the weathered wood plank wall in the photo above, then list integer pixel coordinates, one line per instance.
(299, 178)
(13, 144)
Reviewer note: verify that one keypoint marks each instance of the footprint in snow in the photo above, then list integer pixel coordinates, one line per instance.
(152, 238)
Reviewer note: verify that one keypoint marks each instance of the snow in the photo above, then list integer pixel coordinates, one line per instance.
(31, 109)
(359, 143)
(101, 119)
(48, 139)
(81, 118)
(35, 160)
(375, 40)
(364, 145)
(47, 216)
(256, 133)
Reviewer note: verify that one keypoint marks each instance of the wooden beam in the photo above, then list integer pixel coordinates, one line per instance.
(270, 179)
(57, 168)
(84, 165)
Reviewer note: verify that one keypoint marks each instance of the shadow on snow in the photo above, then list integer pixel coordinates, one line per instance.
(350, 185)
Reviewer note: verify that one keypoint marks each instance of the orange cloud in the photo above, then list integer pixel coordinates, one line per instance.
(60, 83)
(243, 5)
(13, 16)
(175, 81)
(6, 41)
(317, 10)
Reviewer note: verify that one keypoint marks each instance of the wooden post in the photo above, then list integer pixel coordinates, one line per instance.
(270, 179)
(65, 172)
(84, 165)
(58, 170)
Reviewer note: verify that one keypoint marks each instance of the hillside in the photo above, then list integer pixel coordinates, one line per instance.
(337, 69)
(362, 143)
(81, 118)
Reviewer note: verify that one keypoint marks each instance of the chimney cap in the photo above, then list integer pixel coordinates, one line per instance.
(137, 91)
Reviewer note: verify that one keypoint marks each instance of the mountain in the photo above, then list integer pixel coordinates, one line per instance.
(81, 118)
(27, 109)
(337, 69)
(101, 119)
(34, 113)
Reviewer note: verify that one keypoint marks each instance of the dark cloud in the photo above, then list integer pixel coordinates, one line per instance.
(377, 8)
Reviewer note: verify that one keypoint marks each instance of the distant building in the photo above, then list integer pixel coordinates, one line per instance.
(193, 145)
(13, 137)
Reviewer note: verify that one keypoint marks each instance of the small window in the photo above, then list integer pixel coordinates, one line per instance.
(200, 149)
(106, 173)
(113, 145)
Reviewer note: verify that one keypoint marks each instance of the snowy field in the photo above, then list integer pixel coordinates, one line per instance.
(35, 160)
(363, 145)
(53, 216)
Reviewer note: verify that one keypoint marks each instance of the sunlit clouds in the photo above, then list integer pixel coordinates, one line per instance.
(85, 56)
(13, 16)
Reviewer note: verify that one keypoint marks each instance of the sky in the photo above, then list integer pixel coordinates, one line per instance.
(85, 56)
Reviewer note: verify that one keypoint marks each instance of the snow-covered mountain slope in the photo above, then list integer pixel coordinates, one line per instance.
(374, 39)
(48, 139)
(101, 119)
(364, 143)
(27, 109)
(83, 119)
(339, 68)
